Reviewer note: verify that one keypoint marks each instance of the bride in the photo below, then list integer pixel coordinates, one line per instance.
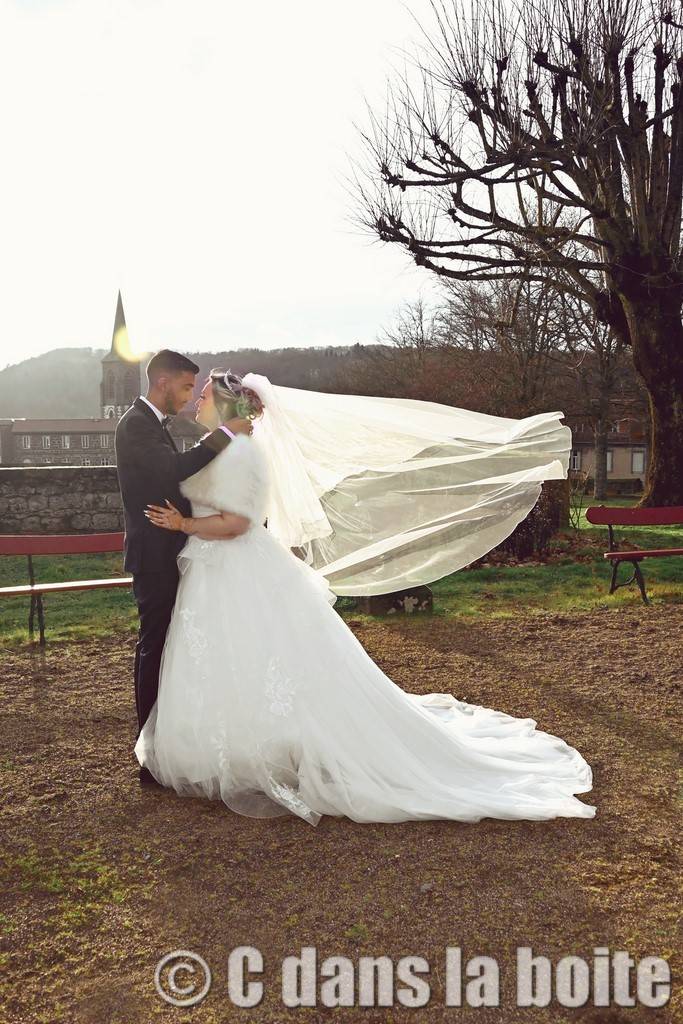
(268, 701)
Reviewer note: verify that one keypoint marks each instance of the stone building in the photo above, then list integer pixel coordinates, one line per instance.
(81, 442)
(627, 452)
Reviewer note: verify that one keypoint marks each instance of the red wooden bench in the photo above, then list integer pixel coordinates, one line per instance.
(57, 544)
(610, 516)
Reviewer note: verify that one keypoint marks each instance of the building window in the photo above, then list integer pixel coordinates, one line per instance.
(85, 441)
(25, 441)
(104, 440)
(86, 462)
(609, 460)
(46, 440)
(575, 460)
(637, 460)
(66, 441)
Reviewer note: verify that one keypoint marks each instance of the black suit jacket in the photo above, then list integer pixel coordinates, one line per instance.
(150, 469)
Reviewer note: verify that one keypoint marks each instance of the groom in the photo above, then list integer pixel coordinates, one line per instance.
(150, 469)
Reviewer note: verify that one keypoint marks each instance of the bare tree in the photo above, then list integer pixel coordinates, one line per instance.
(413, 332)
(405, 349)
(521, 322)
(408, 360)
(550, 351)
(580, 102)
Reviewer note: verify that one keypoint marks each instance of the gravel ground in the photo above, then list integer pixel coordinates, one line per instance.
(101, 879)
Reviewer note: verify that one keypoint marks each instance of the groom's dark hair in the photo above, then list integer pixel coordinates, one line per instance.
(166, 361)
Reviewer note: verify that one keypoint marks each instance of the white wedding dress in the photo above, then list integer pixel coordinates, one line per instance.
(269, 702)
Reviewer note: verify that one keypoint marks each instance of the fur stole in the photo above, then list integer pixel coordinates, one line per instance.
(236, 480)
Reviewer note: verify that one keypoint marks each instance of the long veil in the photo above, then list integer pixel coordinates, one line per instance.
(386, 493)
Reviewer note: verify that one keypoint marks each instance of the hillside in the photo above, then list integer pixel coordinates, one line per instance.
(66, 382)
(61, 383)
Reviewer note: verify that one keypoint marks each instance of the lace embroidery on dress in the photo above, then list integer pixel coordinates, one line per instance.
(195, 637)
(286, 795)
(279, 688)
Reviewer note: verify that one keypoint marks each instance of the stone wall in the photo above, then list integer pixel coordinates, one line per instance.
(60, 499)
(86, 499)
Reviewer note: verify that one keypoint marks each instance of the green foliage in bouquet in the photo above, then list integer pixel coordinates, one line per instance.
(248, 405)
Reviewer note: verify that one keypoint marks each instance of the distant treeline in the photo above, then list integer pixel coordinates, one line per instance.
(65, 382)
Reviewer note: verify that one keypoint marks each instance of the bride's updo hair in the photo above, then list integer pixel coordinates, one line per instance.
(231, 398)
(223, 383)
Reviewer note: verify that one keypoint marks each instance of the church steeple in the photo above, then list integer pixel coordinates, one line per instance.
(119, 337)
(120, 370)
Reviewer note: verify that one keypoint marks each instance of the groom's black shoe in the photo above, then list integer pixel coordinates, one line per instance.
(147, 779)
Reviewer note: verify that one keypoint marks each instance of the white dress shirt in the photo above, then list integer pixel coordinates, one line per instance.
(159, 413)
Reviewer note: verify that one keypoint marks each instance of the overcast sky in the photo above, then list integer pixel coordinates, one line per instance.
(194, 155)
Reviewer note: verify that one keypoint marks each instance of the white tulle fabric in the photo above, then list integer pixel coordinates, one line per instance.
(387, 493)
(269, 702)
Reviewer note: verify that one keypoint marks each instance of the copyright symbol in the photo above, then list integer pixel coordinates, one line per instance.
(170, 987)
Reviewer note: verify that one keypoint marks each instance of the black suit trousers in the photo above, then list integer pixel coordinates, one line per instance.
(155, 594)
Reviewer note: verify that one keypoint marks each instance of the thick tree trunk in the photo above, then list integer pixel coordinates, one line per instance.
(657, 342)
(664, 479)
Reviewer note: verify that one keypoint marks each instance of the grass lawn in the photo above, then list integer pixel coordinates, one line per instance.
(73, 614)
(576, 577)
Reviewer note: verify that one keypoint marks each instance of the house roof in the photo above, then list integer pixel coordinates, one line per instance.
(183, 426)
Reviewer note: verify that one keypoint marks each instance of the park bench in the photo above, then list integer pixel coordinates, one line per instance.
(610, 516)
(57, 544)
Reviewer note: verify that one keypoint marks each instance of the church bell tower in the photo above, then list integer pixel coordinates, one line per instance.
(121, 383)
